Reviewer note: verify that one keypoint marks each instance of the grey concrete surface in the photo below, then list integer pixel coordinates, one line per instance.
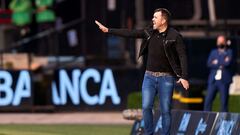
(64, 118)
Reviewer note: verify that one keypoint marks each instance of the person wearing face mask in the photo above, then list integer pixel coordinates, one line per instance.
(220, 77)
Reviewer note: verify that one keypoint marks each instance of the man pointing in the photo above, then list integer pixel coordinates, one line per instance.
(166, 61)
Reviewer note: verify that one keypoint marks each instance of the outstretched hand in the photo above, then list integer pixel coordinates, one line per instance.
(184, 83)
(101, 27)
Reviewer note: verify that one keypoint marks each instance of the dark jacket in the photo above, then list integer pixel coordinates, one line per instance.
(173, 45)
(225, 66)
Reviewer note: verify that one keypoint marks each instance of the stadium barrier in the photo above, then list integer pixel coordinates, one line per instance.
(75, 89)
(86, 89)
(186, 122)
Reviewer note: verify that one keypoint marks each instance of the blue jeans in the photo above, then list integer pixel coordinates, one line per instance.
(163, 86)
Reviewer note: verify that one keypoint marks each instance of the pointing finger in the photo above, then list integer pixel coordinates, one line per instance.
(98, 23)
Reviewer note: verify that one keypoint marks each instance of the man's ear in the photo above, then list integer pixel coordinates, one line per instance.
(164, 21)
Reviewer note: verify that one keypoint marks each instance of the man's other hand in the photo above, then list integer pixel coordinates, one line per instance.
(184, 83)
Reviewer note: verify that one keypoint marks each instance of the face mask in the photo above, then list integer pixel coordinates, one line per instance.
(221, 46)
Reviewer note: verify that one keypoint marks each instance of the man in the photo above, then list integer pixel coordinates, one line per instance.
(22, 15)
(45, 13)
(166, 59)
(219, 62)
(45, 18)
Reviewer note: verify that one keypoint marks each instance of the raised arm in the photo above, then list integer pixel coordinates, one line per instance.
(122, 32)
(101, 27)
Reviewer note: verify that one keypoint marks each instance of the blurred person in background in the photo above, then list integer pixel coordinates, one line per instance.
(22, 15)
(166, 61)
(220, 77)
(45, 15)
(45, 19)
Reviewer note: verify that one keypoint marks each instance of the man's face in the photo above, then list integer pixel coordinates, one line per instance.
(221, 40)
(158, 20)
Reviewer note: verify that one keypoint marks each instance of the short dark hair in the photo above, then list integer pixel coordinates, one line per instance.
(165, 13)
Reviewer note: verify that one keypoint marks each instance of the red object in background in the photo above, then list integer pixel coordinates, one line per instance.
(5, 16)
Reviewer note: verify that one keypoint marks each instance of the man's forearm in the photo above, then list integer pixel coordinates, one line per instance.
(126, 33)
